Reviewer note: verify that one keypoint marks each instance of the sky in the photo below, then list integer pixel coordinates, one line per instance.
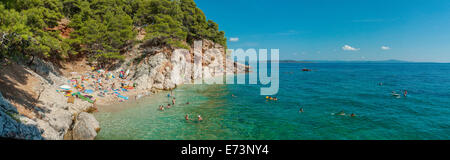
(410, 30)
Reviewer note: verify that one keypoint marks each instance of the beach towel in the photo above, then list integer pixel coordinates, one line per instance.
(120, 96)
(65, 87)
(88, 91)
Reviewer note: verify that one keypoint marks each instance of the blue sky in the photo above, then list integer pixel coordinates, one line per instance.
(411, 30)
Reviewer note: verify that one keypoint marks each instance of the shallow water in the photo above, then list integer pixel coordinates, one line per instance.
(329, 89)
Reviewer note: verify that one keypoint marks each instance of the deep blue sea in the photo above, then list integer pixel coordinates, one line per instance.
(330, 88)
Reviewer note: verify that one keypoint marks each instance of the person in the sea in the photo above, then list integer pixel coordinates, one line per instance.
(275, 99)
(301, 110)
(168, 106)
(405, 93)
(186, 117)
(232, 95)
(341, 113)
(161, 107)
(353, 115)
(200, 118)
(173, 100)
(188, 103)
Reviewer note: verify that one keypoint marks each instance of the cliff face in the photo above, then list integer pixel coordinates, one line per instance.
(165, 70)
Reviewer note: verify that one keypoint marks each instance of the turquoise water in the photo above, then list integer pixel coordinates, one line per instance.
(330, 88)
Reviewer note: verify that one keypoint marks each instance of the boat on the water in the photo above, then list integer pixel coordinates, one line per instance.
(306, 70)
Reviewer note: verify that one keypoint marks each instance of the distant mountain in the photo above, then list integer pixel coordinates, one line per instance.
(294, 61)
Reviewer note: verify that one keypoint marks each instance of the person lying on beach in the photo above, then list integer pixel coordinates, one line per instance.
(200, 118)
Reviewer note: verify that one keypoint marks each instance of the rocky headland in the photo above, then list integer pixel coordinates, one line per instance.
(32, 106)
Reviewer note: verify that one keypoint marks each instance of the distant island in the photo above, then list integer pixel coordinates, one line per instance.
(324, 61)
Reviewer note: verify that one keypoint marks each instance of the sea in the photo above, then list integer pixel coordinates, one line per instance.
(328, 95)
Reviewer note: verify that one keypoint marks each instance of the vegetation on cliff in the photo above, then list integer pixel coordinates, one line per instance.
(100, 29)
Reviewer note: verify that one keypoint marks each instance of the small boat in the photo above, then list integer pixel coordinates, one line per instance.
(306, 70)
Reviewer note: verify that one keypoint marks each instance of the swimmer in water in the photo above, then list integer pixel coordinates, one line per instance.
(161, 107)
(405, 93)
(168, 106)
(188, 103)
(174, 100)
(200, 118)
(353, 115)
(301, 110)
(186, 117)
(342, 113)
(275, 99)
(232, 95)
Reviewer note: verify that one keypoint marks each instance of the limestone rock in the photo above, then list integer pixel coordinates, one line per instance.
(60, 120)
(86, 127)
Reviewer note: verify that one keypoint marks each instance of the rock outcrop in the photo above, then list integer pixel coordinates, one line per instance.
(162, 70)
(86, 127)
(52, 116)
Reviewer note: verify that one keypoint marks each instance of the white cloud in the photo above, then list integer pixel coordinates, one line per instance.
(350, 48)
(385, 48)
(234, 39)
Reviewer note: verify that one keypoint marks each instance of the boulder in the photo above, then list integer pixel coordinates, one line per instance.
(86, 127)
(47, 131)
(60, 120)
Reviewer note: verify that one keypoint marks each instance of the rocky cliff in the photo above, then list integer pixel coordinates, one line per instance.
(50, 117)
(161, 69)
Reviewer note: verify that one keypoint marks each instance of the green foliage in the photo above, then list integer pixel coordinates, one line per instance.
(102, 28)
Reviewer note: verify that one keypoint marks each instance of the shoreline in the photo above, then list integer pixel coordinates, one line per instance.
(113, 101)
